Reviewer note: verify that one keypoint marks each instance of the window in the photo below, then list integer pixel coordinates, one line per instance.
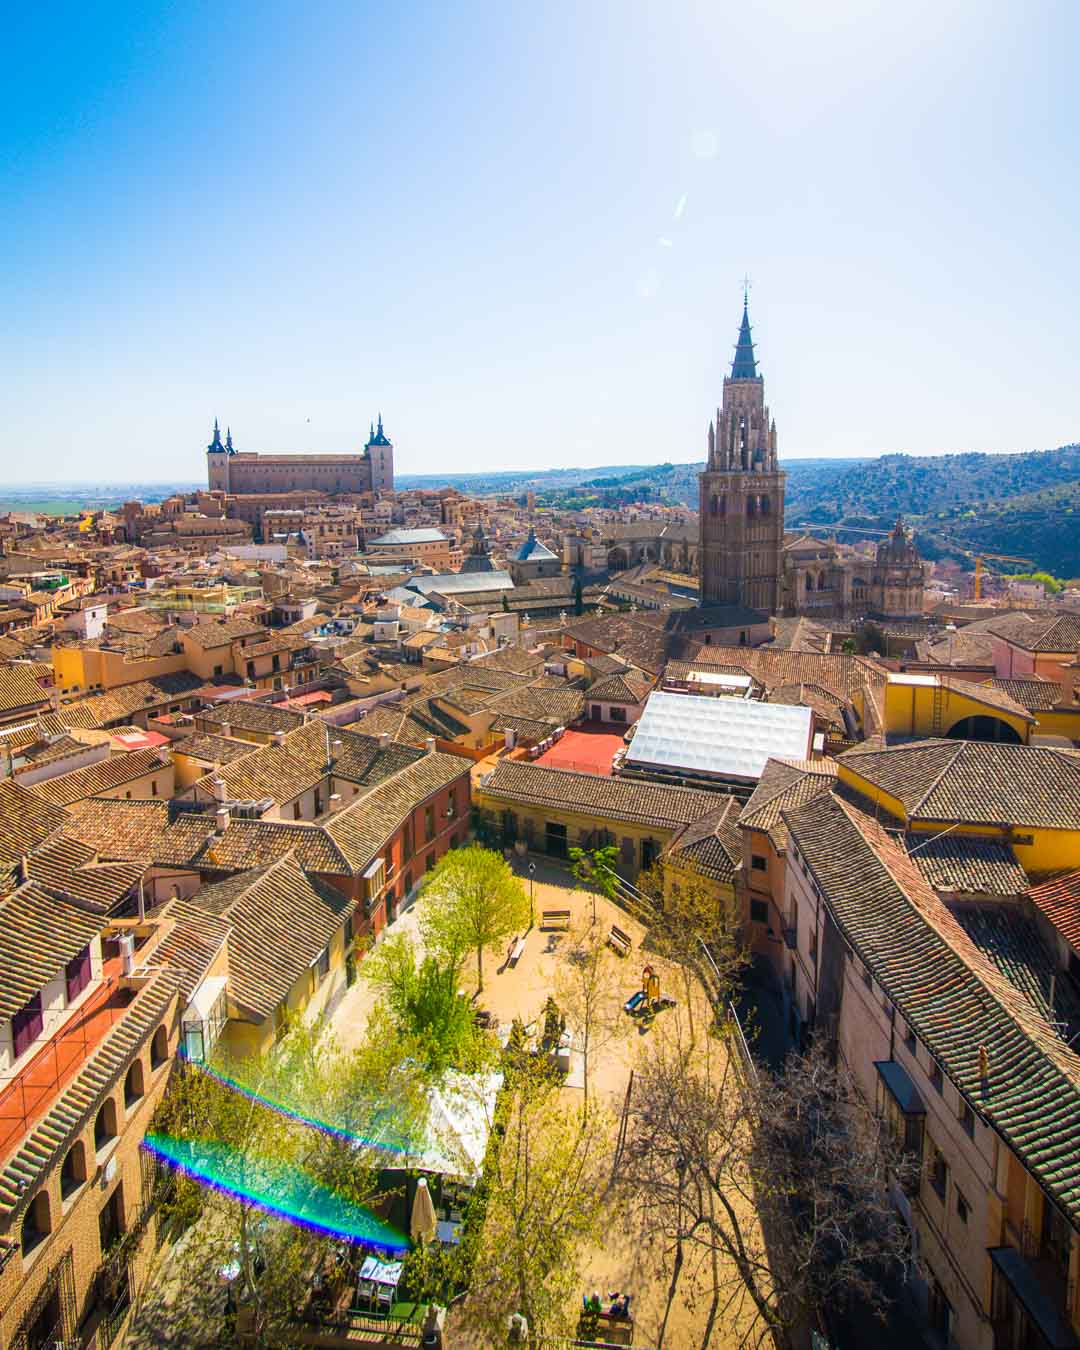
(910, 1042)
(962, 1207)
(758, 863)
(105, 1125)
(938, 1174)
(936, 1077)
(967, 1120)
(322, 965)
(72, 1170)
(159, 1048)
(617, 714)
(153, 787)
(296, 811)
(429, 824)
(759, 911)
(219, 670)
(133, 1085)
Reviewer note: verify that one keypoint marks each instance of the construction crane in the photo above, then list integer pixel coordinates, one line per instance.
(839, 526)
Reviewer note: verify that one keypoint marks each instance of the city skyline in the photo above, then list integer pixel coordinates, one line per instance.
(522, 235)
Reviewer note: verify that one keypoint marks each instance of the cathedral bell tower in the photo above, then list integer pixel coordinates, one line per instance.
(742, 493)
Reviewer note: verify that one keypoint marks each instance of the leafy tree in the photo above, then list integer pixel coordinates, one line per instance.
(545, 1205)
(424, 1002)
(473, 902)
(579, 596)
(595, 869)
(779, 1180)
(308, 1078)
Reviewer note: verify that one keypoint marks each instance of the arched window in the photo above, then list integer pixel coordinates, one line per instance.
(751, 505)
(73, 1170)
(715, 505)
(105, 1125)
(809, 582)
(159, 1048)
(37, 1222)
(766, 506)
(821, 584)
(133, 1084)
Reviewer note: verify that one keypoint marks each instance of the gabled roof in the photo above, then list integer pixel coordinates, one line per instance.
(948, 992)
(1059, 900)
(783, 786)
(280, 920)
(976, 782)
(25, 823)
(711, 845)
(532, 550)
(620, 687)
(119, 830)
(103, 776)
(40, 931)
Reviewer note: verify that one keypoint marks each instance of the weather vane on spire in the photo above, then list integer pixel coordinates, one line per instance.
(746, 284)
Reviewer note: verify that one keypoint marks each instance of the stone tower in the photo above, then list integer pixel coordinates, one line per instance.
(740, 554)
(217, 460)
(898, 579)
(380, 453)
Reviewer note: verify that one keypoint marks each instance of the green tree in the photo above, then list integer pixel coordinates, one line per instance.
(472, 902)
(422, 998)
(260, 1110)
(545, 1205)
(595, 868)
(579, 596)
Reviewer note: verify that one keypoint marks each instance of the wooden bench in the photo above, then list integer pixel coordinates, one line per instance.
(558, 919)
(517, 951)
(622, 942)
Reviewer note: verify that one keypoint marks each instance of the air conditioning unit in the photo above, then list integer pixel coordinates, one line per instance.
(127, 953)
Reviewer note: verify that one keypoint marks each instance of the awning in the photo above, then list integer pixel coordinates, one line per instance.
(900, 1087)
(1040, 1306)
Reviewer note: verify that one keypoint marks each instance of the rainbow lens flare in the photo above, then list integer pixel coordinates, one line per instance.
(391, 1143)
(284, 1191)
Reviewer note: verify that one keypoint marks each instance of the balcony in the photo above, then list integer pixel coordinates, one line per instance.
(31, 1090)
(1029, 1304)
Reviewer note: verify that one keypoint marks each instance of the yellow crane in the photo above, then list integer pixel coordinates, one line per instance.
(839, 526)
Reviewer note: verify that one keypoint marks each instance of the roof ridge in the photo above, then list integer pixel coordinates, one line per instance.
(961, 747)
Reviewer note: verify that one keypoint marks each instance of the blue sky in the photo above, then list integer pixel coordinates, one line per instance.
(519, 229)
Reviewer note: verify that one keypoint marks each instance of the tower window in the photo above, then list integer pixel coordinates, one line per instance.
(765, 507)
(751, 503)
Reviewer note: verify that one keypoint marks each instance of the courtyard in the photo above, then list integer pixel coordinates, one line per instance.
(519, 988)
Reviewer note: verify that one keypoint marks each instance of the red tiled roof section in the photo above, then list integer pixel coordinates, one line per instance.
(1059, 901)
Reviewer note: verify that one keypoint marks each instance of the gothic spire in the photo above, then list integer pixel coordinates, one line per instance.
(215, 444)
(228, 440)
(744, 367)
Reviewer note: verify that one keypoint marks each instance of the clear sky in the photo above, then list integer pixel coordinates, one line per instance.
(519, 229)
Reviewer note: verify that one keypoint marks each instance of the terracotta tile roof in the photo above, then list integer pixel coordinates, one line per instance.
(559, 707)
(193, 841)
(637, 640)
(122, 703)
(21, 734)
(247, 715)
(510, 659)
(784, 786)
(284, 771)
(711, 845)
(71, 867)
(634, 800)
(191, 945)
(280, 919)
(976, 782)
(1049, 634)
(118, 829)
(18, 690)
(1036, 695)
(989, 694)
(212, 749)
(1059, 900)
(365, 825)
(630, 687)
(954, 862)
(40, 932)
(953, 997)
(221, 632)
(25, 823)
(103, 776)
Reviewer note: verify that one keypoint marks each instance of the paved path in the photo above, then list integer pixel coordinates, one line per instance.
(349, 1019)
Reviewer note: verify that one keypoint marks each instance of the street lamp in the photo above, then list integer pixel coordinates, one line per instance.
(532, 886)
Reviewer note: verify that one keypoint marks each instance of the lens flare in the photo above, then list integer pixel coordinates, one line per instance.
(380, 1135)
(278, 1189)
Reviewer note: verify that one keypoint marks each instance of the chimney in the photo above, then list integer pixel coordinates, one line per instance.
(225, 729)
(221, 819)
(384, 739)
(429, 745)
(984, 1063)
(217, 787)
(279, 737)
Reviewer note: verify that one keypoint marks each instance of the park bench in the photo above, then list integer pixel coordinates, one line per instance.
(621, 941)
(517, 951)
(555, 919)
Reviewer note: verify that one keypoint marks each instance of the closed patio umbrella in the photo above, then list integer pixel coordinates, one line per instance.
(422, 1225)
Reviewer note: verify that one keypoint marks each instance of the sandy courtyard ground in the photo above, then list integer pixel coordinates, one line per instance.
(521, 990)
